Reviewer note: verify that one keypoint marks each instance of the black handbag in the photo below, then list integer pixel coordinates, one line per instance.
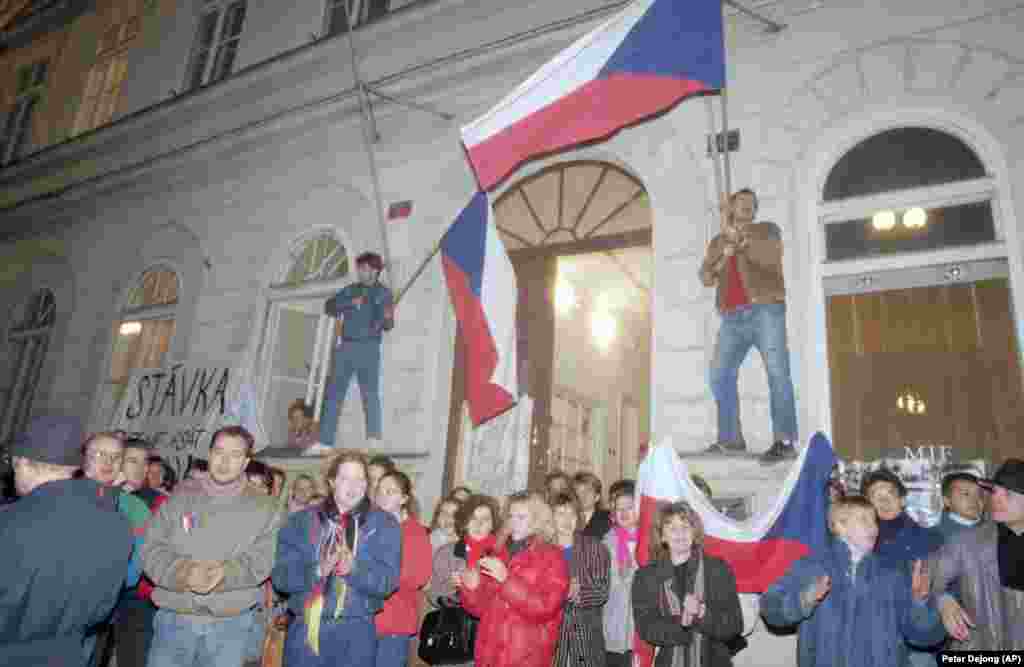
(448, 635)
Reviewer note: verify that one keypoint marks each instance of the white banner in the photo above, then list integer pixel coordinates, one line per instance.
(177, 408)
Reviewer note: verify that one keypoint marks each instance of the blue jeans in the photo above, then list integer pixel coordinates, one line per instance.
(362, 359)
(351, 642)
(762, 326)
(181, 640)
(393, 650)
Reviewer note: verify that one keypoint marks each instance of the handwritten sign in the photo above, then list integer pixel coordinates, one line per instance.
(173, 407)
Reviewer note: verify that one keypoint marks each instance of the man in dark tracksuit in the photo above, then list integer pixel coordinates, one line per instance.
(66, 549)
(365, 310)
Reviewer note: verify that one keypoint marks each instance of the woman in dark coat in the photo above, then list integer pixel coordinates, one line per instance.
(581, 635)
(684, 601)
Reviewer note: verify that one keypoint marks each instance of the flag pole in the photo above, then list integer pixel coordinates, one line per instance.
(419, 270)
(725, 141)
(716, 158)
(369, 137)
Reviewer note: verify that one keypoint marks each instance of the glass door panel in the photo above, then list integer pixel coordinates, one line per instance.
(926, 364)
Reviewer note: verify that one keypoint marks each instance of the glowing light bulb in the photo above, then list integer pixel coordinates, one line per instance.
(565, 296)
(603, 328)
(130, 328)
(883, 221)
(915, 218)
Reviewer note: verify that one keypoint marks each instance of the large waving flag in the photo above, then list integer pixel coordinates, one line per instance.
(761, 549)
(482, 286)
(639, 63)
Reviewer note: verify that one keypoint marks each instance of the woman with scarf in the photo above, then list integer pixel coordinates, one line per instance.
(621, 542)
(518, 593)
(338, 561)
(685, 601)
(476, 523)
(581, 637)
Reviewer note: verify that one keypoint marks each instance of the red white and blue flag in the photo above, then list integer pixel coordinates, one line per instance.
(641, 62)
(759, 550)
(482, 286)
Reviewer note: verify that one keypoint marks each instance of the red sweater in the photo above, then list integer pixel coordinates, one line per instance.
(401, 614)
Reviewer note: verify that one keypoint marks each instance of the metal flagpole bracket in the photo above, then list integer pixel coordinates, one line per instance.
(410, 105)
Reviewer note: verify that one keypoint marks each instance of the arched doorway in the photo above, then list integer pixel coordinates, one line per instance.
(922, 350)
(579, 236)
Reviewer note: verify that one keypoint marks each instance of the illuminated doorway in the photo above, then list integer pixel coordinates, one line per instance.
(586, 227)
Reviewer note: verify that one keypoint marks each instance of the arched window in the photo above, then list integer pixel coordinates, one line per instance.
(143, 331)
(945, 203)
(28, 338)
(922, 349)
(298, 335)
(320, 258)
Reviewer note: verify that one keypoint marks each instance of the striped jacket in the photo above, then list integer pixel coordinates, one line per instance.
(581, 636)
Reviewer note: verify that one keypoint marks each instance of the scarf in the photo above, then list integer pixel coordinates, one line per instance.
(889, 530)
(329, 529)
(1011, 559)
(623, 536)
(478, 548)
(673, 593)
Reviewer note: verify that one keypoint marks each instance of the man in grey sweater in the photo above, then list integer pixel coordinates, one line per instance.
(208, 550)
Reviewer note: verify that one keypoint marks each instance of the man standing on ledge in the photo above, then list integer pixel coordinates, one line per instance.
(744, 263)
(365, 310)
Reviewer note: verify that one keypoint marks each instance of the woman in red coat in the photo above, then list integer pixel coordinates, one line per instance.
(398, 621)
(518, 594)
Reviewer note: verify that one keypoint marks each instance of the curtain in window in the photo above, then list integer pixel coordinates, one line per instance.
(145, 349)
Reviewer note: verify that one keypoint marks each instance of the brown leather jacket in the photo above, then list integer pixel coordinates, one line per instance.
(759, 264)
(971, 561)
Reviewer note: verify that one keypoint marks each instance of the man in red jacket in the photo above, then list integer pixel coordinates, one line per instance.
(518, 595)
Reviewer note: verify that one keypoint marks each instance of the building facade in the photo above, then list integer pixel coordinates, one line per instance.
(189, 181)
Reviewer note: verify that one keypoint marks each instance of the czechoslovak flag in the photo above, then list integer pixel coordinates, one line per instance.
(482, 286)
(761, 549)
(645, 59)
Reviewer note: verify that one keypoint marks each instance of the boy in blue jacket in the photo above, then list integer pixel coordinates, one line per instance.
(854, 609)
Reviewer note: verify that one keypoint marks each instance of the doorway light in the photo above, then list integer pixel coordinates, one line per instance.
(565, 296)
(603, 328)
(130, 328)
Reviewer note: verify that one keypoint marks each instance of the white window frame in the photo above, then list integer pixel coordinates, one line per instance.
(277, 296)
(139, 314)
(827, 151)
(217, 46)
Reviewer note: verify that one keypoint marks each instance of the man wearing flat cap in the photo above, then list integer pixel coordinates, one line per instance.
(65, 550)
(987, 562)
(364, 311)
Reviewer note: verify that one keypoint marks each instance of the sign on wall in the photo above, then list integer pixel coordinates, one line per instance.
(921, 468)
(176, 408)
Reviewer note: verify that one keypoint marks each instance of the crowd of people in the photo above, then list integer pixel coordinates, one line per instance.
(104, 554)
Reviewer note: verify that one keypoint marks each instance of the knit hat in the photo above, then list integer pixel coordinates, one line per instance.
(56, 440)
